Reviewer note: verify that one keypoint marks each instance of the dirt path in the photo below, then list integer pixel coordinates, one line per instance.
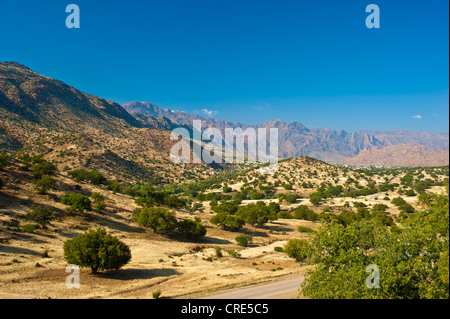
(285, 288)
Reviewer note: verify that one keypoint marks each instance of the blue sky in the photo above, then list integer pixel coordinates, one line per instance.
(311, 61)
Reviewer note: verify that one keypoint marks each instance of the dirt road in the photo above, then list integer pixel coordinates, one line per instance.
(287, 288)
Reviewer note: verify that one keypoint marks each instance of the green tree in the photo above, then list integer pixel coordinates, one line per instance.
(97, 250)
(41, 215)
(243, 240)
(192, 229)
(297, 249)
(77, 202)
(160, 219)
(44, 184)
(413, 262)
(228, 221)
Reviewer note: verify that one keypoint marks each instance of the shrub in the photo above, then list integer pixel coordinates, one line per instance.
(218, 252)
(41, 215)
(77, 202)
(297, 249)
(410, 192)
(304, 229)
(156, 294)
(233, 253)
(4, 160)
(44, 168)
(278, 249)
(315, 198)
(243, 240)
(192, 229)
(44, 184)
(97, 250)
(291, 198)
(29, 228)
(228, 222)
(160, 219)
(398, 201)
(92, 177)
(303, 212)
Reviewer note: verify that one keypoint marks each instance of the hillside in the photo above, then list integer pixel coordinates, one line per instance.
(40, 115)
(401, 155)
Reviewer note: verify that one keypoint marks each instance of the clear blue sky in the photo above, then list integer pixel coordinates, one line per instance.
(312, 61)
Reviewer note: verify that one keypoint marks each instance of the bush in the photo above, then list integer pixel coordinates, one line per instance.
(41, 215)
(97, 250)
(303, 212)
(410, 192)
(254, 213)
(29, 228)
(44, 168)
(291, 198)
(192, 229)
(4, 160)
(278, 249)
(218, 252)
(304, 229)
(297, 249)
(315, 198)
(44, 184)
(77, 202)
(233, 253)
(398, 201)
(243, 240)
(92, 177)
(228, 222)
(160, 219)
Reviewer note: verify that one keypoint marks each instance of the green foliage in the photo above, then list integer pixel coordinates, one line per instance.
(97, 250)
(77, 202)
(243, 240)
(43, 168)
(303, 212)
(93, 177)
(218, 251)
(413, 260)
(255, 214)
(297, 249)
(287, 186)
(192, 229)
(291, 198)
(228, 221)
(315, 198)
(29, 228)
(41, 215)
(233, 253)
(160, 219)
(304, 229)
(4, 159)
(44, 184)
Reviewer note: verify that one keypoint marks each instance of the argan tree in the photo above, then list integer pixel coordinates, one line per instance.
(97, 250)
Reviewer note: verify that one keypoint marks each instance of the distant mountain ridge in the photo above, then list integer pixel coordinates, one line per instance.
(401, 155)
(296, 140)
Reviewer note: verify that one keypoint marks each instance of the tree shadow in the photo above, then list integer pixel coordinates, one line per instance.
(110, 223)
(19, 250)
(133, 273)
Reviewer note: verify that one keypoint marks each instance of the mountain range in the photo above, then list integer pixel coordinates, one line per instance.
(296, 140)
